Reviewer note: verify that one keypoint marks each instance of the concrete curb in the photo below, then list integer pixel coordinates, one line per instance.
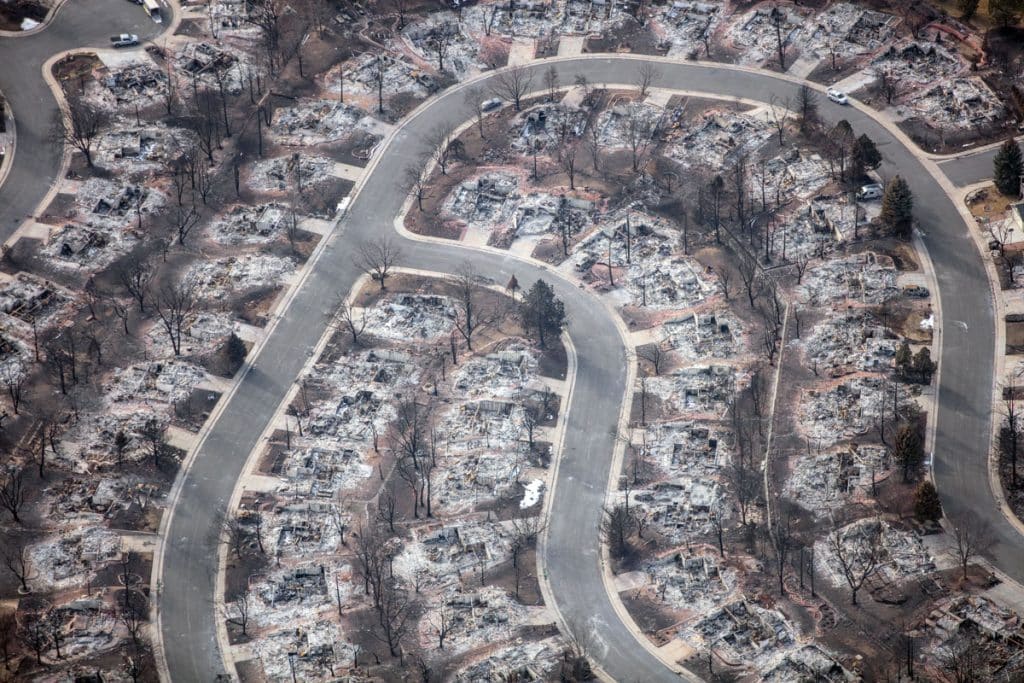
(252, 458)
(999, 306)
(622, 427)
(973, 151)
(12, 128)
(487, 75)
(277, 315)
(42, 24)
(58, 95)
(931, 429)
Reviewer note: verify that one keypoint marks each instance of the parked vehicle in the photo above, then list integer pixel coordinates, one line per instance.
(915, 292)
(872, 191)
(125, 40)
(491, 104)
(153, 8)
(838, 96)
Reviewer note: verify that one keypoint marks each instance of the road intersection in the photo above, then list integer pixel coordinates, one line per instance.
(572, 559)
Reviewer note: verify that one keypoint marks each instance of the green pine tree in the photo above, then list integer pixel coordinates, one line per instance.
(542, 312)
(898, 207)
(869, 152)
(1008, 168)
(908, 450)
(904, 359)
(924, 366)
(927, 507)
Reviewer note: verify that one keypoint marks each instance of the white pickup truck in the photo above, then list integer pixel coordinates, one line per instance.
(125, 40)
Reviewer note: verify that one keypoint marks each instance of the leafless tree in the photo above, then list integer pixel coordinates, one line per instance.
(474, 99)
(13, 493)
(778, 20)
(237, 612)
(780, 112)
(890, 85)
(639, 134)
(204, 121)
(471, 313)
(266, 16)
(965, 659)
(567, 153)
(442, 146)
(121, 311)
(394, 615)
(8, 629)
(401, 9)
(80, 127)
(170, 92)
(442, 623)
(653, 354)
(807, 107)
(344, 318)
(377, 258)
(176, 305)
(647, 76)
(59, 362)
(183, 220)
(15, 557)
(617, 524)
(419, 182)
(859, 554)
(13, 375)
(387, 506)
(378, 75)
(136, 276)
(551, 82)
(750, 274)
(372, 560)
(234, 534)
(154, 433)
(440, 43)
(512, 84)
(34, 634)
(972, 537)
(133, 616)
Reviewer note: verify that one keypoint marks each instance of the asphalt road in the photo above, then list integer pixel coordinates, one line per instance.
(36, 162)
(571, 560)
(971, 168)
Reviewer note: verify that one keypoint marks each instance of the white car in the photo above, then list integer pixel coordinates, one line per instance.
(838, 96)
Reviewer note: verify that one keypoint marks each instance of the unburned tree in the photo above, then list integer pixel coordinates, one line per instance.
(541, 312)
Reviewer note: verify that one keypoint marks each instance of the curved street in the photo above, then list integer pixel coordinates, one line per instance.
(572, 560)
(36, 160)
